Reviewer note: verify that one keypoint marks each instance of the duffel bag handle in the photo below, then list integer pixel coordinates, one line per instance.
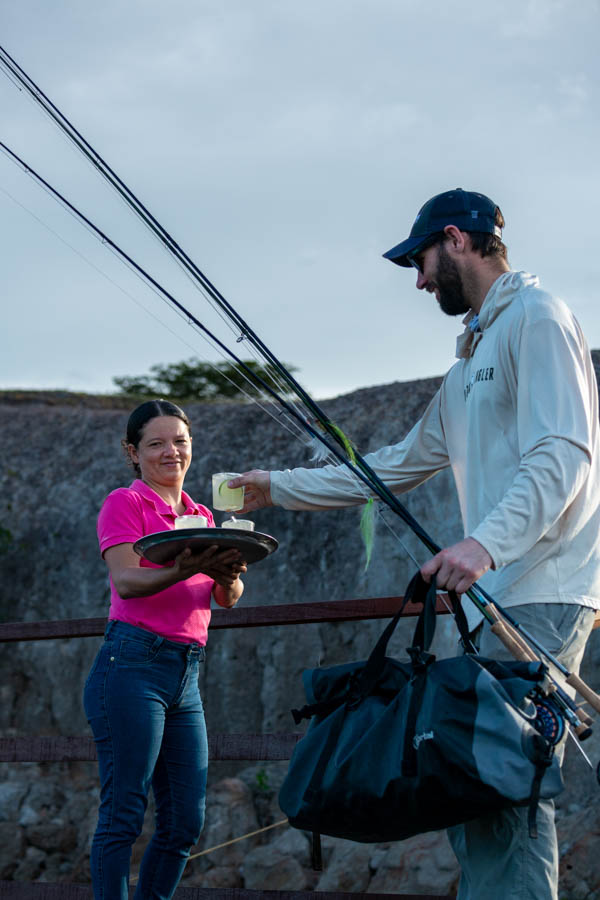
(418, 591)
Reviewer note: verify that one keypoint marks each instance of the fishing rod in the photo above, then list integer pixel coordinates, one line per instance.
(564, 702)
(356, 464)
(571, 679)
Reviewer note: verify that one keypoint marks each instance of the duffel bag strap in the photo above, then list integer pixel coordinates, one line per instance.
(461, 621)
(322, 708)
(316, 852)
(544, 752)
(418, 591)
(374, 665)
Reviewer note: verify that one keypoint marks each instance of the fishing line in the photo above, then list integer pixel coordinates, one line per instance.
(139, 303)
(257, 396)
(577, 743)
(35, 93)
(282, 386)
(13, 80)
(225, 317)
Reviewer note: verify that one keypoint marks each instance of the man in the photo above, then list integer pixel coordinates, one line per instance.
(516, 418)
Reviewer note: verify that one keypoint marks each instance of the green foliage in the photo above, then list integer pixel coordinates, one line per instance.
(196, 380)
(262, 780)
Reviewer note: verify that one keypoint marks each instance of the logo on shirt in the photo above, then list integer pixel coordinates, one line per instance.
(480, 375)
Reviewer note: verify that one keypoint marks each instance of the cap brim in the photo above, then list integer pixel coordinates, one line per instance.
(399, 253)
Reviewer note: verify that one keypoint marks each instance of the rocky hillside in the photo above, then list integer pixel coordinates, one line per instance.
(62, 456)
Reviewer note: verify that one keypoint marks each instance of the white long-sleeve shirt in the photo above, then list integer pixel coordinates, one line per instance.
(516, 418)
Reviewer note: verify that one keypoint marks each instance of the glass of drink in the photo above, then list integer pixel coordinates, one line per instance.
(226, 498)
(191, 522)
(241, 524)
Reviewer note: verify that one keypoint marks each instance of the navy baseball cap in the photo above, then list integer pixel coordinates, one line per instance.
(467, 210)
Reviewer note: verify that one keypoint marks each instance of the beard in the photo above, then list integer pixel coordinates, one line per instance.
(452, 298)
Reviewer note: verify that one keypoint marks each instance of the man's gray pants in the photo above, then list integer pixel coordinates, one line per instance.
(498, 859)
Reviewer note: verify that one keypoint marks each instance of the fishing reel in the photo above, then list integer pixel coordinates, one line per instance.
(549, 720)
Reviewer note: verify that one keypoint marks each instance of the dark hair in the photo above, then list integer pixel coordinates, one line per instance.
(489, 244)
(140, 417)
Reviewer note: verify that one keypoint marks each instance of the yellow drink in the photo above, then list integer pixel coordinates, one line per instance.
(226, 498)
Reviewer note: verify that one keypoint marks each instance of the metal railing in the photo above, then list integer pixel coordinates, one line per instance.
(238, 747)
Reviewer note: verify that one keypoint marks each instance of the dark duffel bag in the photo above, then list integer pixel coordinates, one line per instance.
(398, 748)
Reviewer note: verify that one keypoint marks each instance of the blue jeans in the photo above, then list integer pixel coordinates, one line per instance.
(143, 704)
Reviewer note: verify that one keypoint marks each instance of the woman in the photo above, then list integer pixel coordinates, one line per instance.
(141, 697)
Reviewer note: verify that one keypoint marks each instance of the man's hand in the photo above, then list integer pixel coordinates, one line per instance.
(458, 567)
(257, 489)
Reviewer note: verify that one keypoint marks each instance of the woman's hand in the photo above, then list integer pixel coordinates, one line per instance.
(224, 567)
(132, 580)
(257, 489)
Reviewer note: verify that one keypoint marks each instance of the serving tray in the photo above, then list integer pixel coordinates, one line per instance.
(163, 546)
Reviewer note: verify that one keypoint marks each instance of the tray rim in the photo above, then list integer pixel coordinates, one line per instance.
(256, 538)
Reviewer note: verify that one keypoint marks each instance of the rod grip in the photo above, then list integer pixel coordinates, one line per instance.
(583, 731)
(581, 713)
(527, 652)
(516, 645)
(509, 641)
(584, 691)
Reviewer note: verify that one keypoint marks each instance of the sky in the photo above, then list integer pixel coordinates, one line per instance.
(286, 146)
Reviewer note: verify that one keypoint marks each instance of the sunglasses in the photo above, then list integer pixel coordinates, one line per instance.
(416, 259)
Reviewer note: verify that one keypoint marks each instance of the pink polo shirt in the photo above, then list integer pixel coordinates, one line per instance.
(180, 612)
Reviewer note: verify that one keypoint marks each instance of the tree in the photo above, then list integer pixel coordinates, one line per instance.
(196, 380)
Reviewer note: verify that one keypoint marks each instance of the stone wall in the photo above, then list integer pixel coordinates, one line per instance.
(61, 459)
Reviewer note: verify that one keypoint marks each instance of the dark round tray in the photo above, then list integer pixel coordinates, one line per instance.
(164, 546)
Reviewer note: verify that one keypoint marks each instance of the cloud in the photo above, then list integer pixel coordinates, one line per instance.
(533, 19)
(566, 98)
(574, 89)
